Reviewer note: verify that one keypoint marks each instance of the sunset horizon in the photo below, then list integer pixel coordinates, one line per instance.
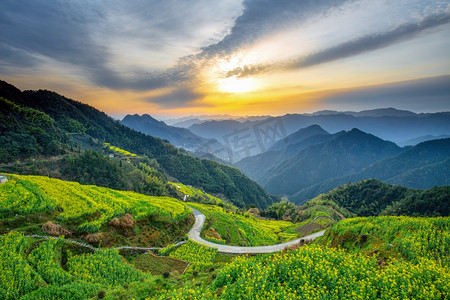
(237, 57)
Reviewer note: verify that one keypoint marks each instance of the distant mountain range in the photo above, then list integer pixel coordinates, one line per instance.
(259, 166)
(298, 156)
(177, 136)
(312, 161)
(399, 126)
(229, 139)
(344, 154)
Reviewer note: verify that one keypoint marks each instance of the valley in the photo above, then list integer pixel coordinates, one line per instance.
(229, 150)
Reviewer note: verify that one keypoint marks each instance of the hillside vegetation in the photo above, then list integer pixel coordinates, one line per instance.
(373, 197)
(362, 258)
(44, 123)
(29, 202)
(423, 166)
(372, 258)
(39, 275)
(192, 194)
(393, 238)
(96, 168)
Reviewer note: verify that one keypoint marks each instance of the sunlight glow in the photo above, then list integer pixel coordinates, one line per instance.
(236, 85)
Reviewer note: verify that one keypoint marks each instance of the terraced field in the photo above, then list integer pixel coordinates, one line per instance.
(91, 206)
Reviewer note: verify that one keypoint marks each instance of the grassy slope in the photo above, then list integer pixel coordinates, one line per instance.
(392, 238)
(36, 269)
(364, 265)
(198, 194)
(29, 201)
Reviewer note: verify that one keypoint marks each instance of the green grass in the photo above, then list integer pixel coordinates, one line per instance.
(158, 265)
(199, 195)
(244, 229)
(195, 253)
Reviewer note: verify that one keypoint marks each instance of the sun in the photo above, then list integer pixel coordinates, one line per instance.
(236, 85)
(223, 75)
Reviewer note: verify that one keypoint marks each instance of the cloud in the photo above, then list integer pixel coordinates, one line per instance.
(181, 94)
(419, 95)
(260, 17)
(147, 45)
(370, 42)
(98, 39)
(349, 48)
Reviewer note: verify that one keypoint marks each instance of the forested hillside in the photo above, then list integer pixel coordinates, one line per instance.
(344, 154)
(373, 197)
(422, 166)
(179, 137)
(44, 123)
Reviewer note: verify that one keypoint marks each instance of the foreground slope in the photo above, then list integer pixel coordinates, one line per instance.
(408, 259)
(29, 202)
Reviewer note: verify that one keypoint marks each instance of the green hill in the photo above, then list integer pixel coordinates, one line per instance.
(243, 229)
(373, 197)
(34, 270)
(371, 258)
(42, 123)
(390, 237)
(423, 166)
(29, 202)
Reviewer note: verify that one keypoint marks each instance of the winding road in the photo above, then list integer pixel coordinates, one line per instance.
(194, 234)
(200, 218)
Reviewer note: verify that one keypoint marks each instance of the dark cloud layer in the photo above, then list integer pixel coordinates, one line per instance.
(183, 94)
(261, 17)
(63, 32)
(347, 49)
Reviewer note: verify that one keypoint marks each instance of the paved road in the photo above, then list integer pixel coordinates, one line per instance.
(194, 234)
(200, 218)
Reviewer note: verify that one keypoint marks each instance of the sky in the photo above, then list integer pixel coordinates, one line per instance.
(240, 57)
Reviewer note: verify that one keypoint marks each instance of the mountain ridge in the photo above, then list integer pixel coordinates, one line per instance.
(422, 166)
(344, 154)
(69, 118)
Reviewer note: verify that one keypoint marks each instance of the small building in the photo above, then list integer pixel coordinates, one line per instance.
(111, 155)
(3, 179)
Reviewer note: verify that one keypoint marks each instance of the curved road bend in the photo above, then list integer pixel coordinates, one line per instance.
(200, 218)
